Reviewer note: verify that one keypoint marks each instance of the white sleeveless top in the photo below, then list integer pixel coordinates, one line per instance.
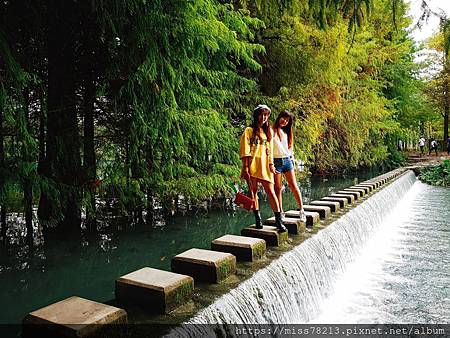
(281, 147)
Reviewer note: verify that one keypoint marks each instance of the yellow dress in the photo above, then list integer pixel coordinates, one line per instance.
(260, 152)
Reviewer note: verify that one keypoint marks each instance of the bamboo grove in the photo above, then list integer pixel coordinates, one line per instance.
(141, 100)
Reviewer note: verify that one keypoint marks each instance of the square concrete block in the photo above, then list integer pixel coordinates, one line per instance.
(205, 265)
(350, 198)
(354, 193)
(156, 290)
(373, 183)
(311, 217)
(294, 225)
(361, 192)
(371, 187)
(73, 317)
(341, 200)
(323, 211)
(244, 248)
(268, 233)
(334, 205)
(365, 188)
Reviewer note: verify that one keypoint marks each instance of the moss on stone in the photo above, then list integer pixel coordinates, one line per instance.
(225, 268)
(179, 295)
(282, 237)
(258, 250)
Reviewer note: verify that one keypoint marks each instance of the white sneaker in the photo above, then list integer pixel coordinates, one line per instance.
(302, 216)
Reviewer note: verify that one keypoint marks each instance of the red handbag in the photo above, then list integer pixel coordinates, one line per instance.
(243, 201)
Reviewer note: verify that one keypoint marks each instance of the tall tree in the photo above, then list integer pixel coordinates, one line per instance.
(62, 161)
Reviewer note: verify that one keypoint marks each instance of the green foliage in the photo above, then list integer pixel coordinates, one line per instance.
(437, 175)
(173, 84)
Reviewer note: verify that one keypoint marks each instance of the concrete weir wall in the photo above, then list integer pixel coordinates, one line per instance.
(198, 276)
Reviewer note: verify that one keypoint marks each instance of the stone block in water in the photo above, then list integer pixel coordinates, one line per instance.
(356, 194)
(370, 186)
(311, 217)
(155, 290)
(350, 198)
(294, 225)
(323, 211)
(244, 248)
(334, 205)
(268, 233)
(363, 187)
(361, 191)
(205, 265)
(74, 317)
(377, 183)
(341, 200)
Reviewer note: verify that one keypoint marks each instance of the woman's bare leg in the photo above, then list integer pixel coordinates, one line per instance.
(278, 187)
(270, 191)
(292, 182)
(254, 191)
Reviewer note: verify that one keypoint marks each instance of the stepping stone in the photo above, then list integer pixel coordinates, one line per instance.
(157, 290)
(371, 187)
(267, 233)
(360, 193)
(341, 200)
(294, 225)
(360, 190)
(323, 211)
(244, 248)
(350, 198)
(74, 317)
(375, 183)
(365, 188)
(204, 265)
(311, 217)
(355, 194)
(334, 205)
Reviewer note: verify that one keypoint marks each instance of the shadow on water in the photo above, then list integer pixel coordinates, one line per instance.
(33, 276)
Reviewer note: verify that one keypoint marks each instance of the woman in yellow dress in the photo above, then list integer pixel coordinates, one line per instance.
(257, 163)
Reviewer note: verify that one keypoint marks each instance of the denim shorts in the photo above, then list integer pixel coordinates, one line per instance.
(283, 165)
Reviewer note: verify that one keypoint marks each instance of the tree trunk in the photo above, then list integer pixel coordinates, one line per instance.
(2, 179)
(446, 107)
(27, 183)
(446, 113)
(62, 161)
(28, 203)
(89, 149)
(90, 43)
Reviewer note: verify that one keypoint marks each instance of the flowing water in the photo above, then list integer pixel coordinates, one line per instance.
(31, 278)
(387, 260)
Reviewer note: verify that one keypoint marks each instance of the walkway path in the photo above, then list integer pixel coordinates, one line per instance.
(416, 159)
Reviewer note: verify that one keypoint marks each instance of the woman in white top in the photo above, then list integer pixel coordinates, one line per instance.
(283, 142)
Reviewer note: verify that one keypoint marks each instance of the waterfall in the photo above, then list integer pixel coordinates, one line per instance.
(291, 288)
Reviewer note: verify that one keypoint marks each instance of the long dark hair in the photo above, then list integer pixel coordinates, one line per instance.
(265, 127)
(287, 128)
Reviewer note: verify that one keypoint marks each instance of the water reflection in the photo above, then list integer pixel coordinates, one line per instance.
(33, 276)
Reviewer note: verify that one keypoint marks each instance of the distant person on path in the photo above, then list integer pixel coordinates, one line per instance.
(421, 144)
(283, 143)
(448, 145)
(257, 163)
(433, 146)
